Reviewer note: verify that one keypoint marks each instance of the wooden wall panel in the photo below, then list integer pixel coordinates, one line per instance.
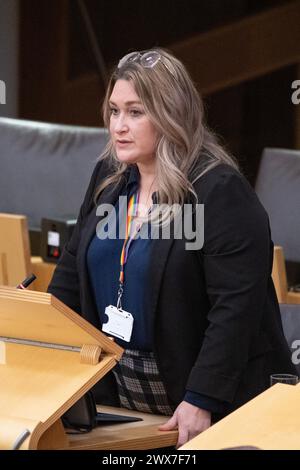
(217, 59)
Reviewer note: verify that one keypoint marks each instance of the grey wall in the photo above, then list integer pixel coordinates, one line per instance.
(9, 10)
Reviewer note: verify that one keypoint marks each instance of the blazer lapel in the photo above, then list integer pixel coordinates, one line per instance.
(159, 257)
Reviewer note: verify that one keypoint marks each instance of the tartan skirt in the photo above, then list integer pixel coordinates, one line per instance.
(139, 384)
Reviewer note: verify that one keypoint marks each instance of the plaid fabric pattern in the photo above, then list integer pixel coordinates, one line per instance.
(139, 385)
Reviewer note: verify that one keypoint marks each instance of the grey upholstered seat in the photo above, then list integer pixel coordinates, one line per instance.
(45, 168)
(278, 187)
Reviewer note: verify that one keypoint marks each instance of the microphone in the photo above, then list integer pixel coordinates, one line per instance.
(27, 281)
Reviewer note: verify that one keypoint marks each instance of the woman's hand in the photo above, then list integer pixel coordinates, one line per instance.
(190, 421)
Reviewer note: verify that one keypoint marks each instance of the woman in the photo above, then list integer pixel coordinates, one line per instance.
(204, 331)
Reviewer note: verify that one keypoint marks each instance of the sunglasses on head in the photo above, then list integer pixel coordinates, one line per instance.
(146, 59)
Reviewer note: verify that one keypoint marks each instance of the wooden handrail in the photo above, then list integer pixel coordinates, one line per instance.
(243, 50)
(220, 58)
(237, 52)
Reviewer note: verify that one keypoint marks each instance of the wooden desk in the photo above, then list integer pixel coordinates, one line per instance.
(127, 436)
(140, 435)
(271, 421)
(43, 271)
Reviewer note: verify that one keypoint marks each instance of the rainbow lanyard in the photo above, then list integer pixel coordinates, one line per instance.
(131, 213)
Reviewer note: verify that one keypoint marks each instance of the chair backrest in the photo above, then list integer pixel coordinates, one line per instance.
(45, 168)
(15, 263)
(278, 187)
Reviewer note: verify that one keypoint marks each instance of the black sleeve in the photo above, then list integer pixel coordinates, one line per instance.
(236, 260)
(65, 282)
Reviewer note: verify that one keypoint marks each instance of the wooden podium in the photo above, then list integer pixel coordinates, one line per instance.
(49, 358)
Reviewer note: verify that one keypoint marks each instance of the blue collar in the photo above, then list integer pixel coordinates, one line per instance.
(134, 180)
(133, 176)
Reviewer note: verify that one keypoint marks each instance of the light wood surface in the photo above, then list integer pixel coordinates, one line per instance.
(11, 428)
(140, 435)
(43, 271)
(40, 316)
(54, 437)
(15, 260)
(293, 298)
(15, 263)
(279, 275)
(280, 279)
(39, 383)
(269, 421)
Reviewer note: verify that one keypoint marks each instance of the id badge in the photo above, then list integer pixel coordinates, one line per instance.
(120, 323)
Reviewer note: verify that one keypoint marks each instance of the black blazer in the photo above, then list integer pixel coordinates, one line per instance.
(217, 326)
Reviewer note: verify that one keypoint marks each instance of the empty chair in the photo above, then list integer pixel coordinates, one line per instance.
(45, 168)
(278, 187)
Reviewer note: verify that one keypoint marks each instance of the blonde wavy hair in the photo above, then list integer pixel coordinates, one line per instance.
(186, 148)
